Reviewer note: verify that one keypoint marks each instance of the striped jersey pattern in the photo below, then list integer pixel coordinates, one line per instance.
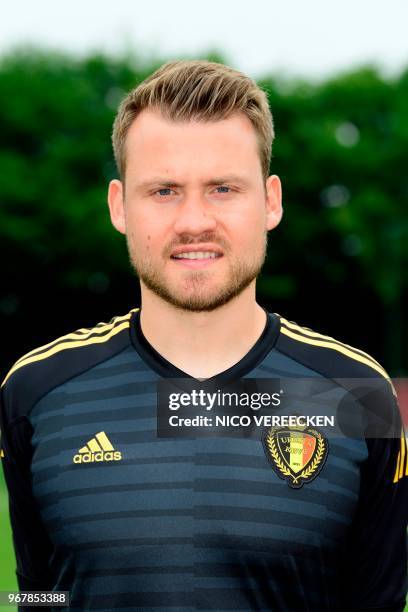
(103, 508)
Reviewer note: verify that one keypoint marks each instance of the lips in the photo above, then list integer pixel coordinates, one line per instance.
(197, 248)
(196, 263)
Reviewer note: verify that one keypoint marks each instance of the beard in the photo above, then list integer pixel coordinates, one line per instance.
(193, 293)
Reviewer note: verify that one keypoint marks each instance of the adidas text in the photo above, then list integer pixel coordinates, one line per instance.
(99, 456)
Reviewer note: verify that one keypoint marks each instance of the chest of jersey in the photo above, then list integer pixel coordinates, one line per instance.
(105, 474)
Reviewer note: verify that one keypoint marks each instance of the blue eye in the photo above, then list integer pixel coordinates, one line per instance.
(164, 189)
(223, 187)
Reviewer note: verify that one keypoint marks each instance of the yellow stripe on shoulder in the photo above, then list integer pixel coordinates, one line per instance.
(82, 334)
(81, 337)
(310, 337)
(312, 334)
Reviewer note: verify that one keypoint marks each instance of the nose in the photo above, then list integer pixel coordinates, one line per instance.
(194, 216)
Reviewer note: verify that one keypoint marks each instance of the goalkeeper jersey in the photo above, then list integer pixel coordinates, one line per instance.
(123, 519)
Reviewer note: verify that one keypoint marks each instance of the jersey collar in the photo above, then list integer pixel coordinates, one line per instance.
(166, 369)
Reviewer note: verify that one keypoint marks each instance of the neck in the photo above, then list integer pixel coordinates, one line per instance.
(203, 344)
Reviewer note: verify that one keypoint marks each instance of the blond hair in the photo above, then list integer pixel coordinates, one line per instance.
(196, 89)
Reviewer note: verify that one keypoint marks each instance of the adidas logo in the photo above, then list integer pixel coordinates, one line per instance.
(97, 449)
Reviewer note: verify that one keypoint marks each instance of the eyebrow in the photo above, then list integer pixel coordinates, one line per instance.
(217, 180)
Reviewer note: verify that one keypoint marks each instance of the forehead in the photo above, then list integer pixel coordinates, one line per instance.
(155, 142)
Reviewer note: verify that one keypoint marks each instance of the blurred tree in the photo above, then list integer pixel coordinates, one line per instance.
(341, 149)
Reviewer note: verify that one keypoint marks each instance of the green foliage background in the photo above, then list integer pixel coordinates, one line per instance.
(337, 263)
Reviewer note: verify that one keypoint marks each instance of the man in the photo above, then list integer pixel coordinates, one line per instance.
(103, 507)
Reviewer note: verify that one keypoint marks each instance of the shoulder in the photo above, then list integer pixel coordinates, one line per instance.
(47, 366)
(359, 374)
(325, 354)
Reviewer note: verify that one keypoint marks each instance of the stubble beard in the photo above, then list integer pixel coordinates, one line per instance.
(193, 294)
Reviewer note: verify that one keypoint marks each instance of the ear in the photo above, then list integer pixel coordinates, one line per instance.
(273, 202)
(116, 206)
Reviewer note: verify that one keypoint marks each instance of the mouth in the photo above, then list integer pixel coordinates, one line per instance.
(196, 259)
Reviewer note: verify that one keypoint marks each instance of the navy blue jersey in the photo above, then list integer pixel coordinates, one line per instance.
(102, 507)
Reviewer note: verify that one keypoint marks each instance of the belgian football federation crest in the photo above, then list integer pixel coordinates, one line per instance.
(297, 454)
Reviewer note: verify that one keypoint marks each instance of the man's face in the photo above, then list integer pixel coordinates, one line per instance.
(194, 208)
